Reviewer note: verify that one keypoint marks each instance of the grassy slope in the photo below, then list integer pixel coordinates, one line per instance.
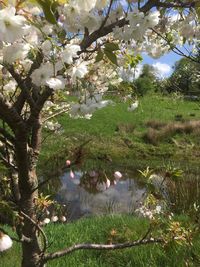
(126, 146)
(97, 230)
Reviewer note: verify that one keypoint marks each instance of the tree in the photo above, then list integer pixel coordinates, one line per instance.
(146, 81)
(185, 77)
(48, 46)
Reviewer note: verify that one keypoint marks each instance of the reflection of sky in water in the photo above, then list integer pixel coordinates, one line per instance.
(120, 198)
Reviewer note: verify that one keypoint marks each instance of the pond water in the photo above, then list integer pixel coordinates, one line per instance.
(86, 193)
(82, 199)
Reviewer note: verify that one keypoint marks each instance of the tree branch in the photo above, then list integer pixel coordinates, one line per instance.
(10, 115)
(6, 163)
(39, 229)
(174, 4)
(100, 33)
(55, 114)
(175, 49)
(7, 136)
(103, 31)
(107, 15)
(61, 253)
(23, 85)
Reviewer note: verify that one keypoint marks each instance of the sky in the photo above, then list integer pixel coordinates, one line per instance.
(163, 65)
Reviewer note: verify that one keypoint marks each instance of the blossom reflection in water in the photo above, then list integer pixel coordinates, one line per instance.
(91, 194)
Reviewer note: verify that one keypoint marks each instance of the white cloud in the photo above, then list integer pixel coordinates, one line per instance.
(162, 69)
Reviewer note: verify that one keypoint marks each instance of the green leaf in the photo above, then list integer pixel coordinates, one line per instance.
(111, 56)
(111, 47)
(99, 56)
(48, 7)
(139, 57)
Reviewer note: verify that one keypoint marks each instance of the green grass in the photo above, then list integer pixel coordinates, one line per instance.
(104, 121)
(98, 230)
(118, 134)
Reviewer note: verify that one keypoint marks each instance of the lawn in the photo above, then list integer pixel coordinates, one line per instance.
(117, 137)
(99, 230)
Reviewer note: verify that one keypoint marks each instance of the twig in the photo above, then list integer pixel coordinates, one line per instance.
(61, 253)
(55, 115)
(23, 239)
(107, 15)
(39, 228)
(175, 49)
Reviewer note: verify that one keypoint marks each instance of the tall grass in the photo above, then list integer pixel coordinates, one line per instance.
(168, 130)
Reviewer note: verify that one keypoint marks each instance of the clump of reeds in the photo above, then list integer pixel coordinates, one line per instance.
(155, 124)
(125, 128)
(153, 136)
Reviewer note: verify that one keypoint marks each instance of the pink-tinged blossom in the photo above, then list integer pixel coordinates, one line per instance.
(71, 174)
(114, 182)
(107, 183)
(117, 175)
(68, 162)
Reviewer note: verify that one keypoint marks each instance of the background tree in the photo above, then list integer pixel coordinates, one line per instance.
(147, 81)
(185, 78)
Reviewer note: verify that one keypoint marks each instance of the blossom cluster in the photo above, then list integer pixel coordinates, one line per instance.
(27, 37)
(147, 212)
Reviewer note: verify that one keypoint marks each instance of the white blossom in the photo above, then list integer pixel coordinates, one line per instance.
(80, 70)
(46, 221)
(42, 74)
(12, 27)
(152, 19)
(16, 51)
(63, 219)
(5, 242)
(52, 126)
(133, 106)
(55, 83)
(26, 63)
(10, 86)
(69, 53)
(54, 218)
(46, 47)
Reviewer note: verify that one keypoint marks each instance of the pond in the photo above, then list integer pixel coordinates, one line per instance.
(84, 199)
(84, 193)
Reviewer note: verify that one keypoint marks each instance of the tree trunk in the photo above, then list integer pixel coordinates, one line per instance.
(25, 159)
(31, 251)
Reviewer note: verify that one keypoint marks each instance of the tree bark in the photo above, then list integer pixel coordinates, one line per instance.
(25, 158)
